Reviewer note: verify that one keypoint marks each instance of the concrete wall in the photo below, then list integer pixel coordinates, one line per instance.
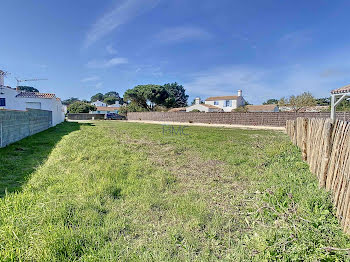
(16, 125)
(234, 118)
(86, 116)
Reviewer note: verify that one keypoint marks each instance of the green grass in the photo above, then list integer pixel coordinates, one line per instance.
(124, 191)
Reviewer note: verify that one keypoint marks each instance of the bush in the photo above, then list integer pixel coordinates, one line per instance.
(241, 109)
(80, 107)
(195, 111)
(132, 107)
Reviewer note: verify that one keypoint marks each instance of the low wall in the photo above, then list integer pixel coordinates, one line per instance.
(234, 118)
(326, 148)
(16, 125)
(86, 116)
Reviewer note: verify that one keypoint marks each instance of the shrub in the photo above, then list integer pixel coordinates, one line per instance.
(80, 107)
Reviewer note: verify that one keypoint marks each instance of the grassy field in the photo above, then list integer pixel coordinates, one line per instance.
(126, 191)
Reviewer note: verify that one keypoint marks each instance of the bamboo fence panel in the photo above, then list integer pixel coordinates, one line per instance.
(326, 148)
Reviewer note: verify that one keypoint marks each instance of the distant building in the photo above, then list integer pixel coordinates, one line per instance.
(105, 110)
(226, 103)
(102, 104)
(12, 99)
(218, 103)
(98, 103)
(203, 107)
(116, 104)
(262, 108)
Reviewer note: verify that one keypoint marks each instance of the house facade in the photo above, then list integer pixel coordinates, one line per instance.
(105, 110)
(98, 103)
(203, 107)
(226, 103)
(102, 104)
(12, 99)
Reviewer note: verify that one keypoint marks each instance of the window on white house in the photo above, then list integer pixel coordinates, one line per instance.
(228, 103)
(2, 101)
(216, 103)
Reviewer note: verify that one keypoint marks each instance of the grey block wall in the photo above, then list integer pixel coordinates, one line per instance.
(16, 125)
(85, 116)
(233, 118)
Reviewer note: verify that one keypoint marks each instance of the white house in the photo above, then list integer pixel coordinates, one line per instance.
(105, 110)
(226, 103)
(98, 103)
(203, 107)
(102, 104)
(12, 99)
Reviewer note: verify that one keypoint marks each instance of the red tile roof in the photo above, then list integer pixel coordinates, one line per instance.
(261, 108)
(215, 98)
(344, 89)
(178, 109)
(36, 95)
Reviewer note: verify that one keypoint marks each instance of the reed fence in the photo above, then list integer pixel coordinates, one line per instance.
(326, 148)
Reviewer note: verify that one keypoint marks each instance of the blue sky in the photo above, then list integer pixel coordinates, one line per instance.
(267, 48)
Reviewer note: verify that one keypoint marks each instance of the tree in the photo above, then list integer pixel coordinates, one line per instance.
(344, 105)
(240, 109)
(110, 100)
(155, 97)
(271, 101)
(326, 101)
(97, 97)
(70, 101)
(147, 96)
(298, 102)
(28, 89)
(81, 107)
(113, 94)
(132, 107)
(177, 95)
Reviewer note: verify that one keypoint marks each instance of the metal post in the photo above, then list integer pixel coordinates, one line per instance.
(333, 108)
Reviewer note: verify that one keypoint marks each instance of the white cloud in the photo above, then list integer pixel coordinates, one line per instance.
(107, 63)
(111, 50)
(98, 85)
(89, 79)
(117, 16)
(182, 33)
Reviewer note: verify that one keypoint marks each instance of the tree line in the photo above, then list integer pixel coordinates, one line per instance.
(141, 98)
(306, 99)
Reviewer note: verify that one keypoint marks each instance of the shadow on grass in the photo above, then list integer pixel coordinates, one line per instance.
(19, 160)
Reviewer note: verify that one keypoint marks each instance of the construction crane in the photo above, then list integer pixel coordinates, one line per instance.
(28, 80)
